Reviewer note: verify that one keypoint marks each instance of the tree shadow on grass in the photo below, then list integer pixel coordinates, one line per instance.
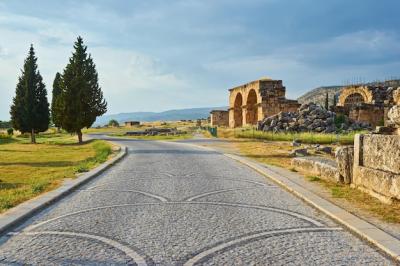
(44, 164)
(6, 186)
(7, 140)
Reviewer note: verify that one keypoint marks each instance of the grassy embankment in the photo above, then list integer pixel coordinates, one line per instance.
(304, 137)
(27, 170)
(274, 149)
(185, 126)
(360, 200)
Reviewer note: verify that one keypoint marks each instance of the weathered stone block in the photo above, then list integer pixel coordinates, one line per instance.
(324, 168)
(381, 152)
(345, 160)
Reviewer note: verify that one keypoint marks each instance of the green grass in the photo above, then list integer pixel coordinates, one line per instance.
(102, 151)
(313, 178)
(26, 170)
(306, 137)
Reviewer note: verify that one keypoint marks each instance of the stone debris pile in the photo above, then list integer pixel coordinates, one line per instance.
(310, 117)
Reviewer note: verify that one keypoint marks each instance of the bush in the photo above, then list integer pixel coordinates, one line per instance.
(339, 120)
(113, 123)
(10, 131)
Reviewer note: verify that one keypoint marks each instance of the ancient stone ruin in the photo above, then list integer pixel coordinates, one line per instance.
(366, 103)
(310, 118)
(219, 118)
(372, 165)
(252, 102)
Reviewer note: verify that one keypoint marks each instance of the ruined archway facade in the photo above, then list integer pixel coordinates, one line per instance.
(355, 95)
(237, 111)
(252, 102)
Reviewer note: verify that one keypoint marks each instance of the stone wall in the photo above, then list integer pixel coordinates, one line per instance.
(374, 115)
(318, 166)
(376, 168)
(219, 118)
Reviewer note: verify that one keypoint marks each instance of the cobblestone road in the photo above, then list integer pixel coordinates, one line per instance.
(173, 204)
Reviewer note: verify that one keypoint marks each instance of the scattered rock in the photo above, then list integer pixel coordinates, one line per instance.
(325, 149)
(299, 152)
(394, 115)
(296, 143)
(309, 117)
(344, 159)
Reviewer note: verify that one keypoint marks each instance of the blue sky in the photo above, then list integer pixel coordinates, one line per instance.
(157, 55)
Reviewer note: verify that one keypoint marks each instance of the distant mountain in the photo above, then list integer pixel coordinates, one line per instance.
(170, 115)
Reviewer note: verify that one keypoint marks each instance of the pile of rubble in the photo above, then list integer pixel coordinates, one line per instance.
(310, 118)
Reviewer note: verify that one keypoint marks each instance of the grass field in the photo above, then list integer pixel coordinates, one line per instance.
(27, 170)
(306, 137)
(180, 125)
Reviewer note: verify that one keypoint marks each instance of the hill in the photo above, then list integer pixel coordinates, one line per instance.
(170, 115)
(318, 95)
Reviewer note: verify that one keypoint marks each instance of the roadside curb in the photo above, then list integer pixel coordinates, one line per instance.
(377, 237)
(18, 214)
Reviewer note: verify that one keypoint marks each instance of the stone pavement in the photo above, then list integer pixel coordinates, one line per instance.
(172, 204)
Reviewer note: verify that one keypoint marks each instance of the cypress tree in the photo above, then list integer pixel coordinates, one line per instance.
(30, 108)
(326, 101)
(334, 100)
(81, 100)
(55, 114)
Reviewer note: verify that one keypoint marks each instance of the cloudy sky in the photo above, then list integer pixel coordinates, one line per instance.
(156, 55)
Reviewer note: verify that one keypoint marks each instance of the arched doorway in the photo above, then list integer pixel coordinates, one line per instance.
(251, 114)
(353, 99)
(238, 115)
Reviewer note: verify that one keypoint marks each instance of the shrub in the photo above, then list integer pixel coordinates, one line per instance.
(339, 120)
(10, 131)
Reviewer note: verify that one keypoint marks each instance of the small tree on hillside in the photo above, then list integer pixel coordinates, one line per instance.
(334, 100)
(113, 123)
(30, 108)
(55, 110)
(327, 101)
(81, 99)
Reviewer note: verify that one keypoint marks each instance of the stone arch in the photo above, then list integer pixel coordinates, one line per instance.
(354, 98)
(251, 108)
(353, 95)
(237, 110)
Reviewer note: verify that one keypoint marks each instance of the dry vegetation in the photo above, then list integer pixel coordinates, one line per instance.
(189, 127)
(360, 200)
(27, 170)
(305, 137)
(277, 153)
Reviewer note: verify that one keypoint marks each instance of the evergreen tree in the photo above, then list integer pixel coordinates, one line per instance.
(327, 101)
(334, 100)
(30, 108)
(81, 99)
(55, 114)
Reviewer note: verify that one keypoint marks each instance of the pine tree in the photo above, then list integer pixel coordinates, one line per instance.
(327, 101)
(55, 114)
(81, 99)
(30, 108)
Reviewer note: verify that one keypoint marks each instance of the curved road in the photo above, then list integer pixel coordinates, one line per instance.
(175, 204)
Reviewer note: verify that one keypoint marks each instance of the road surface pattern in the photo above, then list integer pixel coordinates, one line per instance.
(175, 204)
